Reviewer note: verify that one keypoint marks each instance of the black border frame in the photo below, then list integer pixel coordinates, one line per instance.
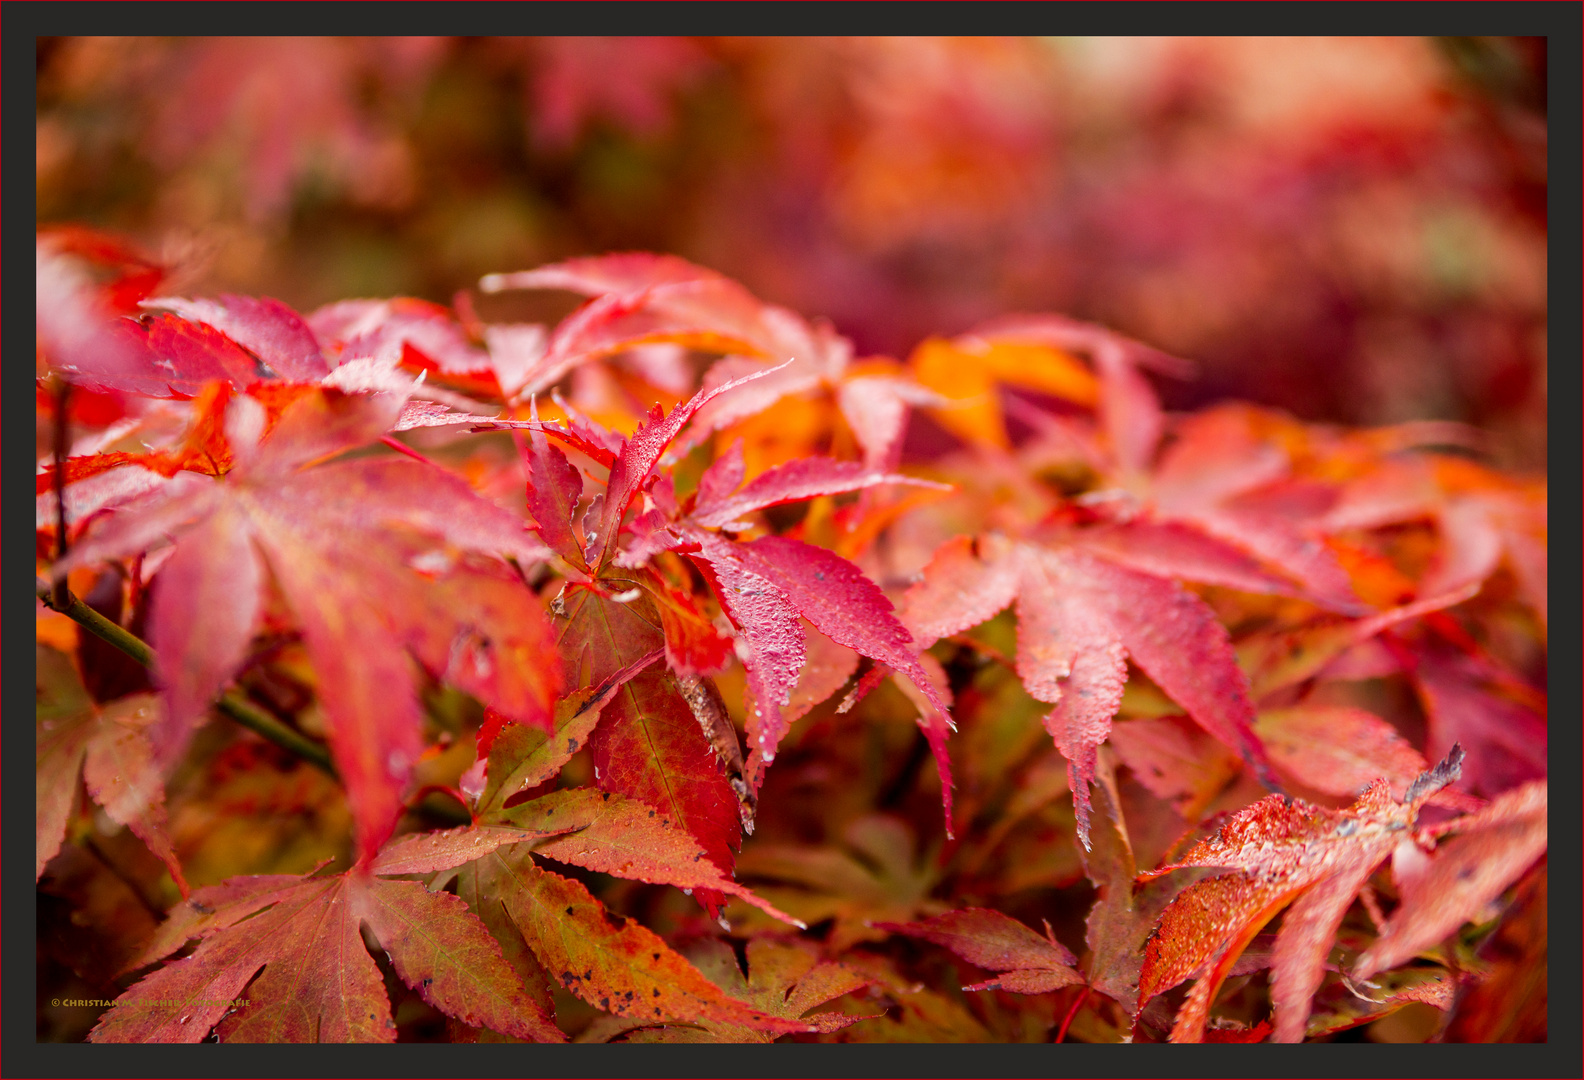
(1561, 23)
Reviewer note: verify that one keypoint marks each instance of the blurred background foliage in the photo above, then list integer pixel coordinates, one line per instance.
(1352, 229)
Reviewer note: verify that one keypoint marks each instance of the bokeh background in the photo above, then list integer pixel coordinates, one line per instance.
(1352, 229)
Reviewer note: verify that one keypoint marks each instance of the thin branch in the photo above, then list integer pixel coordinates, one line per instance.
(66, 602)
(61, 446)
(250, 716)
(230, 703)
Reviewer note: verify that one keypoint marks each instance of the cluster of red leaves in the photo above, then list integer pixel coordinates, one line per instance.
(567, 618)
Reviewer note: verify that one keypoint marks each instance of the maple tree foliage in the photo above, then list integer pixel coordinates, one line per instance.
(568, 698)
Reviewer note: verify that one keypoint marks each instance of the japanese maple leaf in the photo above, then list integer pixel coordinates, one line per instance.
(874, 874)
(377, 559)
(607, 961)
(1183, 521)
(419, 337)
(1027, 962)
(211, 348)
(1223, 477)
(657, 738)
(1080, 616)
(1483, 520)
(640, 298)
(966, 371)
(653, 742)
(318, 981)
(784, 978)
(239, 340)
(764, 586)
(1129, 412)
(277, 337)
(1472, 700)
(1220, 505)
(79, 331)
(203, 449)
(109, 748)
(245, 341)
(1442, 889)
(1287, 852)
(660, 742)
(1126, 911)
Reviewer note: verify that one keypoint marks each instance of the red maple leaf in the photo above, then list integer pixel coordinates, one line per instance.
(1027, 962)
(377, 558)
(641, 298)
(110, 749)
(1080, 616)
(1286, 852)
(764, 586)
(319, 983)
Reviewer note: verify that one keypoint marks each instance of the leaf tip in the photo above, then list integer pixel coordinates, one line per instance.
(1446, 771)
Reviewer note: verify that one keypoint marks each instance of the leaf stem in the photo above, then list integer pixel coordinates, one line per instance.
(403, 448)
(66, 602)
(231, 703)
(1061, 1035)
